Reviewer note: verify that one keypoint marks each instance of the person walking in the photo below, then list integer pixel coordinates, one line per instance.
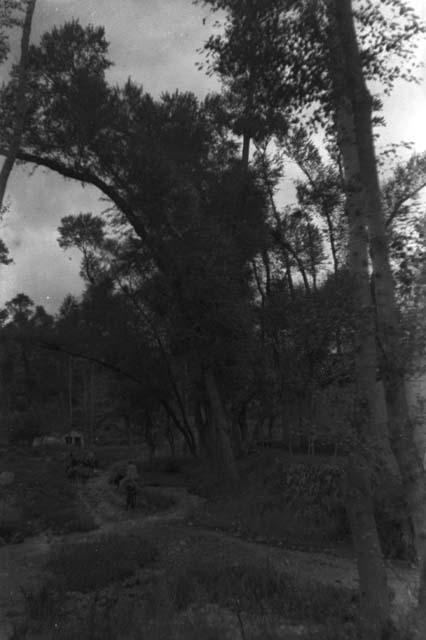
(131, 492)
(129, 485)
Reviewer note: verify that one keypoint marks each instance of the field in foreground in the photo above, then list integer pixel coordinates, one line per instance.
(184, 568)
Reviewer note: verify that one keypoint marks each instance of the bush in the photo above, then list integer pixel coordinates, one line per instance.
(78, 522)
(172, 466)
(298, 501)
(48, 501)
(118, 470)
(393, 524)
(91, 566)
(155, 500)
(260, 590)
(12, 521)
(42, 602)
(25, 434)
(165, 464)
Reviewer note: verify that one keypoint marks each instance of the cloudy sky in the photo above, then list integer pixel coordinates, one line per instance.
(154, 42)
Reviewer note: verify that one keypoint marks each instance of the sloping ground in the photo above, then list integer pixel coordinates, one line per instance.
(106, 504)
(323, 568)
(23, 565)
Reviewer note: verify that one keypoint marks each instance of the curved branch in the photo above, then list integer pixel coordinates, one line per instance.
(50, 346)
(86, 176)
(401, 201)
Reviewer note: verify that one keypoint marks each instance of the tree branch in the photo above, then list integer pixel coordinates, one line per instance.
(399, 203)
(86, 176)
(50, 346)
(187, 433)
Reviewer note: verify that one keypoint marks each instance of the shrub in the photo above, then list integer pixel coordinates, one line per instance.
(299, 501)
(172, 466)
(155, 500)
(42, 602)
(261, 590)
(118, 470)
(81, 522)
(393, 524)
(25, 426)
(12, 521)
(43, 493)
(90, 566)
(166, 464)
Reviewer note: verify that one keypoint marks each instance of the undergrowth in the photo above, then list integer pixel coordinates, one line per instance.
(92, 565)
(42, 495)
(258, 590)
(295, 500)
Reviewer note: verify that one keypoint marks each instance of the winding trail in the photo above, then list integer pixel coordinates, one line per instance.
(22, 566)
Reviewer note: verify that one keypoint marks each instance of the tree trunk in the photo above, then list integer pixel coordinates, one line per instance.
(20, 374)
(313, 266)
(289, 278)
(187, 434)
(267, 264)
(70, 391)
(374, 596)
(170, 438)
(246, 151)
(91, 402)
(244, 430)
(15, 141)
(375, 605)
(388, 321)
(332, 239)
(179, 398)
(129, 430)
(239, 431)
(220, 431)
(236, 437)
(150, 438)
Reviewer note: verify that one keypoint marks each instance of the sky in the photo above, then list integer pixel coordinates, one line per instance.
(155, 42)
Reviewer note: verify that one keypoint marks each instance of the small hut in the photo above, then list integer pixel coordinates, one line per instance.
(74, 438)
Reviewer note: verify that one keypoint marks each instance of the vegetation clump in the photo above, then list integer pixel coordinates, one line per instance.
(92, 565)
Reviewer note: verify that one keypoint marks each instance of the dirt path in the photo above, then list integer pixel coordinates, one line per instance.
(106, 504)
(23, 565)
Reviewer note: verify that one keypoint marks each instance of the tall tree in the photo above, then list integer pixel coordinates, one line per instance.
(373, 582)
(312, 33)
(20, 103)
(389, 328)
